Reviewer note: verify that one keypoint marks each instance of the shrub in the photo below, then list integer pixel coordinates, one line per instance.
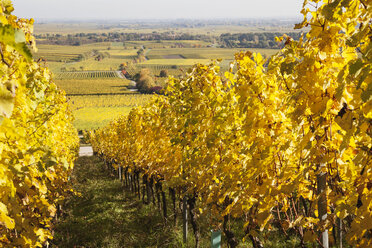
(163, 73)
(145, 84)
(156, 89)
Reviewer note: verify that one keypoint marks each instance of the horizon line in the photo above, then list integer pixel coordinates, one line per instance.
(280, 18)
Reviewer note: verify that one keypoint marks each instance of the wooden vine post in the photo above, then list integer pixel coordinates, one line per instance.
(184, 218)
(322, 202)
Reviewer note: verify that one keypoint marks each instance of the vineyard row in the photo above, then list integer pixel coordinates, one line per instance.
(86, 75)
(283, 145)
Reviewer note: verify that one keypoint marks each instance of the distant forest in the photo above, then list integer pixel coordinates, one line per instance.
(254, 40)
(227, 40)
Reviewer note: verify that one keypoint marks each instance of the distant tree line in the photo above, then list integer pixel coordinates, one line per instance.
(254, 40)
(87, 38)
(239, 40)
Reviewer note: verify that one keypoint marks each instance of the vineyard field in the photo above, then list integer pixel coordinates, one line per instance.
(65, 53)
(174, 70)
(89, 118)
(165, 44)
(127, 100)
(280, 143)
(176, 62)
(58, 57)
(192, 141)
(207, 53)
(90, 64)
(87, 75)
(92, 83)
(93, 86)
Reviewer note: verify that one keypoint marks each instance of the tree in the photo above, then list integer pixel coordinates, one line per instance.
(145, 84)
(164, 73)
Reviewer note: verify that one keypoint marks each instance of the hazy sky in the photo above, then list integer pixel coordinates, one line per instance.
(162, 9)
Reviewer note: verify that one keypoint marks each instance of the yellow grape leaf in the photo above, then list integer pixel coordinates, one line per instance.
(263, 218)
(346, 121)
(331, 12)
(342, 214)
(4, 218)
(42, 234)
(7, 95)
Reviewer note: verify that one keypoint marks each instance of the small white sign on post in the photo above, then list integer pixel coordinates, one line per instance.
(216, 239)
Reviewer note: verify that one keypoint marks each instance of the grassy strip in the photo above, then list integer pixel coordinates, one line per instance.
(107, 216)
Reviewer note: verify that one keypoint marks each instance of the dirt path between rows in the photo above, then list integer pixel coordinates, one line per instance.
(104, 214)
(85, 151)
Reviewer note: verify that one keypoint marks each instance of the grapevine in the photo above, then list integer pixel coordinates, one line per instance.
(287, 145)
(38, 143)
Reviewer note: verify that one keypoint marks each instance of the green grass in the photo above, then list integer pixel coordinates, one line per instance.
(107, 216)
(103, 216)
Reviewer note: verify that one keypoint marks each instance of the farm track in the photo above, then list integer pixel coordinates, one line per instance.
(85, 151)
(120, 74)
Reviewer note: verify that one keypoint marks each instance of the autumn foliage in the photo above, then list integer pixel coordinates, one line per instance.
(38, 143)
(252, 141)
